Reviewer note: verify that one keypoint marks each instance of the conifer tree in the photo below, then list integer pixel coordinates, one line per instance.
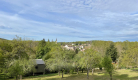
(112, 52)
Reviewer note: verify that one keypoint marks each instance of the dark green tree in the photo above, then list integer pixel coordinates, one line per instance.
(42, 49)
(112, 52)
(76, 51)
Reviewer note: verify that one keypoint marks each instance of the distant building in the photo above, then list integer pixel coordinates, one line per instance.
(66, 46)
(40, 66)
(69, 47)
(56, 40)
(81, 47)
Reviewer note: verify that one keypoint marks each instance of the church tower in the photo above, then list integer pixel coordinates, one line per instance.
(56, 40)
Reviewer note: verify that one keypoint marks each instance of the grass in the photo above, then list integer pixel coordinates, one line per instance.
(122, 74)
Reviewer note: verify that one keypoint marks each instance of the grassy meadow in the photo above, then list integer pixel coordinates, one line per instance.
(122, 74)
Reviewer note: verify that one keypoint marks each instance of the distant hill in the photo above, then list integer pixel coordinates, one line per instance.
(2, 39)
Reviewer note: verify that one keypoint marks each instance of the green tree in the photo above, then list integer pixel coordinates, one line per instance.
(100, 46)
(5, 46)
(20, 67)
(19, 49)
(2, 66)
(76, 51)
(60, 60)
(112, 52)
(43, 48)
(77, 61)
(31, 48)
(130, 57)
(40, 49)
(5, 50)
(107, 63)
(18, 60)
(89, 60)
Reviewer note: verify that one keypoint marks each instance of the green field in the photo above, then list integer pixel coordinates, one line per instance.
(122, 74)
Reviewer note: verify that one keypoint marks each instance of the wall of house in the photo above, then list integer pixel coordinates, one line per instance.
(40, 68)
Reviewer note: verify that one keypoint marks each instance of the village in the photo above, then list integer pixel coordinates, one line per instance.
(40, 64)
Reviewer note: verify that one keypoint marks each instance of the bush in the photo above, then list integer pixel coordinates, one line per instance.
(71, 71)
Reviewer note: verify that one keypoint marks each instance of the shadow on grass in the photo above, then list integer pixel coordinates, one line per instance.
(100, 75)
(70, 77)
(97, 76)
(42, 76)
(134, 70)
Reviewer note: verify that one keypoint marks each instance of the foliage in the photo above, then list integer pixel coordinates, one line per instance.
(100, 46)
(2, 61)
(16, 57)
(44, 48)
(4, 46)
(15, 54)
(20, 67)
(112, 51)
(107, 63)
(76, 51)
(60, 59)
(130, 57)
(90, 59)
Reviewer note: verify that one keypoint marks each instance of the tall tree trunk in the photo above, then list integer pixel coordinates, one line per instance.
(82, 70)
(77, 70)
(117, 64)
(110, 76)
(17, 77)
(20, 77)
(87, 73)
(59, 72)
(62, 73)
(33, 73)
(92, 71)
(69, 71)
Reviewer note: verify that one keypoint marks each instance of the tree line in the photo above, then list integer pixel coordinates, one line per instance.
(17, 57)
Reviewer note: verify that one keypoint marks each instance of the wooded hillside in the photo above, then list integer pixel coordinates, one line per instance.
(16, 56)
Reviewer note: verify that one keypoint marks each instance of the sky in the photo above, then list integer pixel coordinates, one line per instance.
(69, 20)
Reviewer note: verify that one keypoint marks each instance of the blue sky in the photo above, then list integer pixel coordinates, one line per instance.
(69, 20)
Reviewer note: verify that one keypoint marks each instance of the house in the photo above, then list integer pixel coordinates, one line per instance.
(81, 47)
(69, 47)
(40, 66)
(66, 46)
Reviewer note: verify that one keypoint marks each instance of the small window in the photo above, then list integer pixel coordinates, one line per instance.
(36, 67)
